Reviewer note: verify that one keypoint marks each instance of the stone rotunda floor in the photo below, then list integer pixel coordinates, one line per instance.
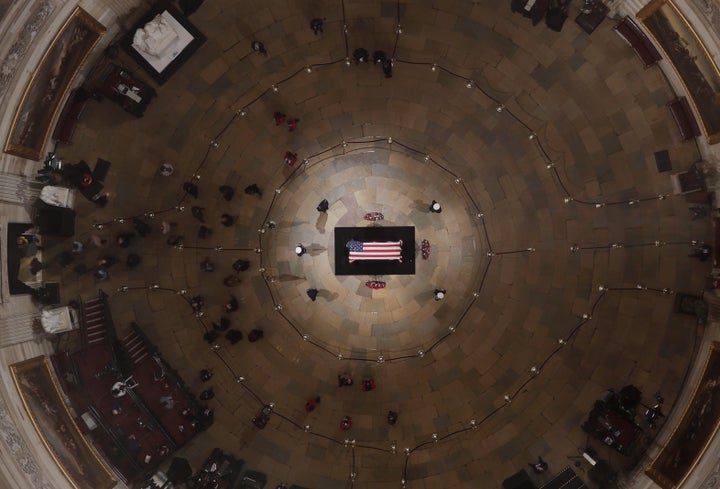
(349, 317)
(591, 107)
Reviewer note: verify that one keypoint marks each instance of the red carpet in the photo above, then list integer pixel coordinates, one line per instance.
(88, 376)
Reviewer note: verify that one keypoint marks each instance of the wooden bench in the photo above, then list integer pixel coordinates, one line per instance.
(636, 39)
(70, 115)
(684, 118)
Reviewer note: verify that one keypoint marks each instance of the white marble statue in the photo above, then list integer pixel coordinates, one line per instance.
(155, 37)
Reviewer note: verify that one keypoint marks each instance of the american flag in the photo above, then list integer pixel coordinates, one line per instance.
(389, 250)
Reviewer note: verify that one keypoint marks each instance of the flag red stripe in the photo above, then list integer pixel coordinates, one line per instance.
(378, 251)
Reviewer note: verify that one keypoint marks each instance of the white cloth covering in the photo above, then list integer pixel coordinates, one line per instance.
(59, 320)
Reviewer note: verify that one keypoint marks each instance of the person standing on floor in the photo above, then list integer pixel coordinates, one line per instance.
(361, 55)
(311, 404)
(253, 189)
(312, 294)
(192, 189)
(323, 206)
(316, 25)
(255, 335)
(232, 304)
(258, 47)
(379, 57)
(392, 417)
(540, 467)
(166, 169)
(123, 240)
(387, 67)
(227, 192)
(241, 265)
(198, 213)
(290, 158)
(227, 220)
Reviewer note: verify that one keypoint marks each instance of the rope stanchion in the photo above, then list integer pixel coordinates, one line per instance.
(328, 153)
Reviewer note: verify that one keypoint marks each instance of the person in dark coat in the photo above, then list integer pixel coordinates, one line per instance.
(191, 188)
(232, 305)
(227, 192)
(107, 261)
(323, 206)
(123, 240)
(702, 252)
(132, 260)
(241, 265)
(206, 265)
(253, 189)
(174, 240)
(141, 227)
(221, 325)
(258, 47)
(361, 55)
(227, 220)
(255, 335)
(224, 322)
(392, 417)
(207, 394)
(204, 232)
(205, 375)
(231, 281)
(210, 337)
(312, 294)
(387, 67)
(233, 336)
(316, 25)
(198, 213)
(197, 303)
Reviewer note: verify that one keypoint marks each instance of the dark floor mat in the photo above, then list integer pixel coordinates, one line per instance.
(662, 160)
(375, 267)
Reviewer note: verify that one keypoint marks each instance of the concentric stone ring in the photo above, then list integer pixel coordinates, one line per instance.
(349, 317)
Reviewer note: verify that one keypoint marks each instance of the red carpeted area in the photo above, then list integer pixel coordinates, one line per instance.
(134, 431)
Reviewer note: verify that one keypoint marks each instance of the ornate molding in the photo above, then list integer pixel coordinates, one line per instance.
(17, 446)
(32, 27)
(709, 11)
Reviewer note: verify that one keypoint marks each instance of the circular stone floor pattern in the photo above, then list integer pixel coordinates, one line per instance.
(596, 111)
(348, 315)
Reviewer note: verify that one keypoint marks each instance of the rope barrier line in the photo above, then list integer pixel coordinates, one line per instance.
(327, 153)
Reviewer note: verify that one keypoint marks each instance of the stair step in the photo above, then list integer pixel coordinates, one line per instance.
(144, 356)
